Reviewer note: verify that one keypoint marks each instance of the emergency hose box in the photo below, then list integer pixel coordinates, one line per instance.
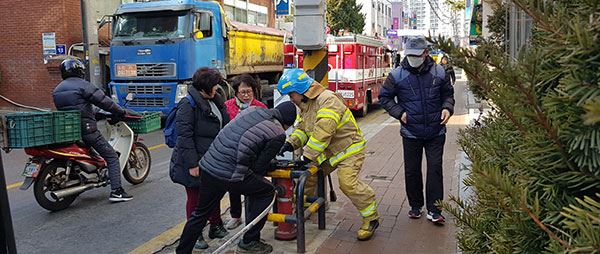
(310, 24)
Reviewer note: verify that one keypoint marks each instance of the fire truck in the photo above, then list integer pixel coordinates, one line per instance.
(358, 66)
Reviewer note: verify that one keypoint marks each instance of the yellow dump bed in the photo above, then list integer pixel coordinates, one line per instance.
(254, 49)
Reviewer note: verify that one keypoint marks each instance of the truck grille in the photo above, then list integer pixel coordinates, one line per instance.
(147, 102)
(155, 70)
(140, 89)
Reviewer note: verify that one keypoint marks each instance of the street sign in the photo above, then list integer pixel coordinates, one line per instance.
(49, 43)
(282, 7)
(61, 49)
(392, 33)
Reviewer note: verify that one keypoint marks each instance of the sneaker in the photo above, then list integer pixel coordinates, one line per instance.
(436, 218)
(254, 247)
(414, 213)
(201, 244)
(217, 231)
(119, 195)
(233, 223)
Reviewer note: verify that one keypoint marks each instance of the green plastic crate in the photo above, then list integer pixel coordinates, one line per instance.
(149, 122)
(67, 126)
(29, 129)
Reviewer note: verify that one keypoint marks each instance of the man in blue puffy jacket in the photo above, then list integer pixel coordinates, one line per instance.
(421, 96)
(75, 93)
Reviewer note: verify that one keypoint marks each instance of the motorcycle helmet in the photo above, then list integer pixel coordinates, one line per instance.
(72, 67)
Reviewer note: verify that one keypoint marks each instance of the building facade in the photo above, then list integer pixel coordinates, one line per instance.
(28, 77)
(378, 16)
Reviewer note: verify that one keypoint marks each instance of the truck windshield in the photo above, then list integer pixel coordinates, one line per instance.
(157, 25)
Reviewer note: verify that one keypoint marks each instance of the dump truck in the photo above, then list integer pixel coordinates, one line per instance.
(157, 46)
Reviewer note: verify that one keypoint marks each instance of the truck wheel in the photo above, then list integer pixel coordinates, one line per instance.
(365, 109)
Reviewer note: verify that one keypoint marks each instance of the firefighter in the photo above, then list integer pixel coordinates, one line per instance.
(330, 138)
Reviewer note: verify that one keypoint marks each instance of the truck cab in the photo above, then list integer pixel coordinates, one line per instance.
(157, 46)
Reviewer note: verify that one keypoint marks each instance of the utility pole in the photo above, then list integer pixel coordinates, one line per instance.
(7, 234)
(90, 43)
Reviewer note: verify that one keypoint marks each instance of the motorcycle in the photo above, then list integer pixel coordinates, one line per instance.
(59, 173)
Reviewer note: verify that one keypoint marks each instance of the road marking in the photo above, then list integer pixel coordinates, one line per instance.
(155, 244)
(157, 147)
(14, 185)
(171, 236)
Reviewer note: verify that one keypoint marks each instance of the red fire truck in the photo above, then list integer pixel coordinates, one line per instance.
(358, 66)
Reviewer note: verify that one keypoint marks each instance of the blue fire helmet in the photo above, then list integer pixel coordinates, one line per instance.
(294, 80)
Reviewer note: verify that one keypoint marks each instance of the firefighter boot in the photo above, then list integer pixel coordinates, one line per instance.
(367, 230)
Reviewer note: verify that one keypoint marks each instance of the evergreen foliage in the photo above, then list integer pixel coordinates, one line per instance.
(345, 14)
(536, 159)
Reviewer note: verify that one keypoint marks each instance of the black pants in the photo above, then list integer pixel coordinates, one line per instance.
(235, 202)
(434, 185)
(258, 190)
(97, 141)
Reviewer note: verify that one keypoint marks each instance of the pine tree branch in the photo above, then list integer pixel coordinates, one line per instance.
(541, 225)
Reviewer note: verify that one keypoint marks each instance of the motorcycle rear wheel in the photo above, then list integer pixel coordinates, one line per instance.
(50, 176)
(138, 165)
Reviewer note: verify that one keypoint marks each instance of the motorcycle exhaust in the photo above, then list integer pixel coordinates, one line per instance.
(73, 190)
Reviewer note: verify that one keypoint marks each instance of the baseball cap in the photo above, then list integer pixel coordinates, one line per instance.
(415, 47)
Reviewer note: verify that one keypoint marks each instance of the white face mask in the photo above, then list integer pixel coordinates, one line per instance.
(415, 61)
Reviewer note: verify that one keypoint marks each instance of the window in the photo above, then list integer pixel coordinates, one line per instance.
(204, 24)
(252, 17)
(240, 15)
(168, 24)
(229, 12)
(262, 19)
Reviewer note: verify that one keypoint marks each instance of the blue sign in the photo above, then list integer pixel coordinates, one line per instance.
(282, 7)
(392, 33)
(61, 49)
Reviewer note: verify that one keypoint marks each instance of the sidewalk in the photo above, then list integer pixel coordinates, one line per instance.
(384, 172)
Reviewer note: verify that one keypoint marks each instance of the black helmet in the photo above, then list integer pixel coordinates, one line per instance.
(72, 67)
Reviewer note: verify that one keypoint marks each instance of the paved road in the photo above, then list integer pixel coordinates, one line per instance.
(94, 225)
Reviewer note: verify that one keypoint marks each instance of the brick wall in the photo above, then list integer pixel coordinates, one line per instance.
(24, 77)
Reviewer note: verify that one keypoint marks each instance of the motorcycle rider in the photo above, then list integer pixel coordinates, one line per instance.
(75, 93)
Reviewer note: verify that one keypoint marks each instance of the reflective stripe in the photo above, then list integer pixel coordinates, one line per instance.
(369, 210)
(321, 159)
(351, 150)
(316, 145)
(328, 113)
(301, 135)
(345, 119)
(289, 83)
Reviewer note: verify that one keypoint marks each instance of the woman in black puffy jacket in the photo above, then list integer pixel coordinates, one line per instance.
(197, 126)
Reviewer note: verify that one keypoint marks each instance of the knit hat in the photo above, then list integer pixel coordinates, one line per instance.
(288, 112)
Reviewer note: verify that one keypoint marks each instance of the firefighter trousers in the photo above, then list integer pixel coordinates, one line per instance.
(360, 193)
